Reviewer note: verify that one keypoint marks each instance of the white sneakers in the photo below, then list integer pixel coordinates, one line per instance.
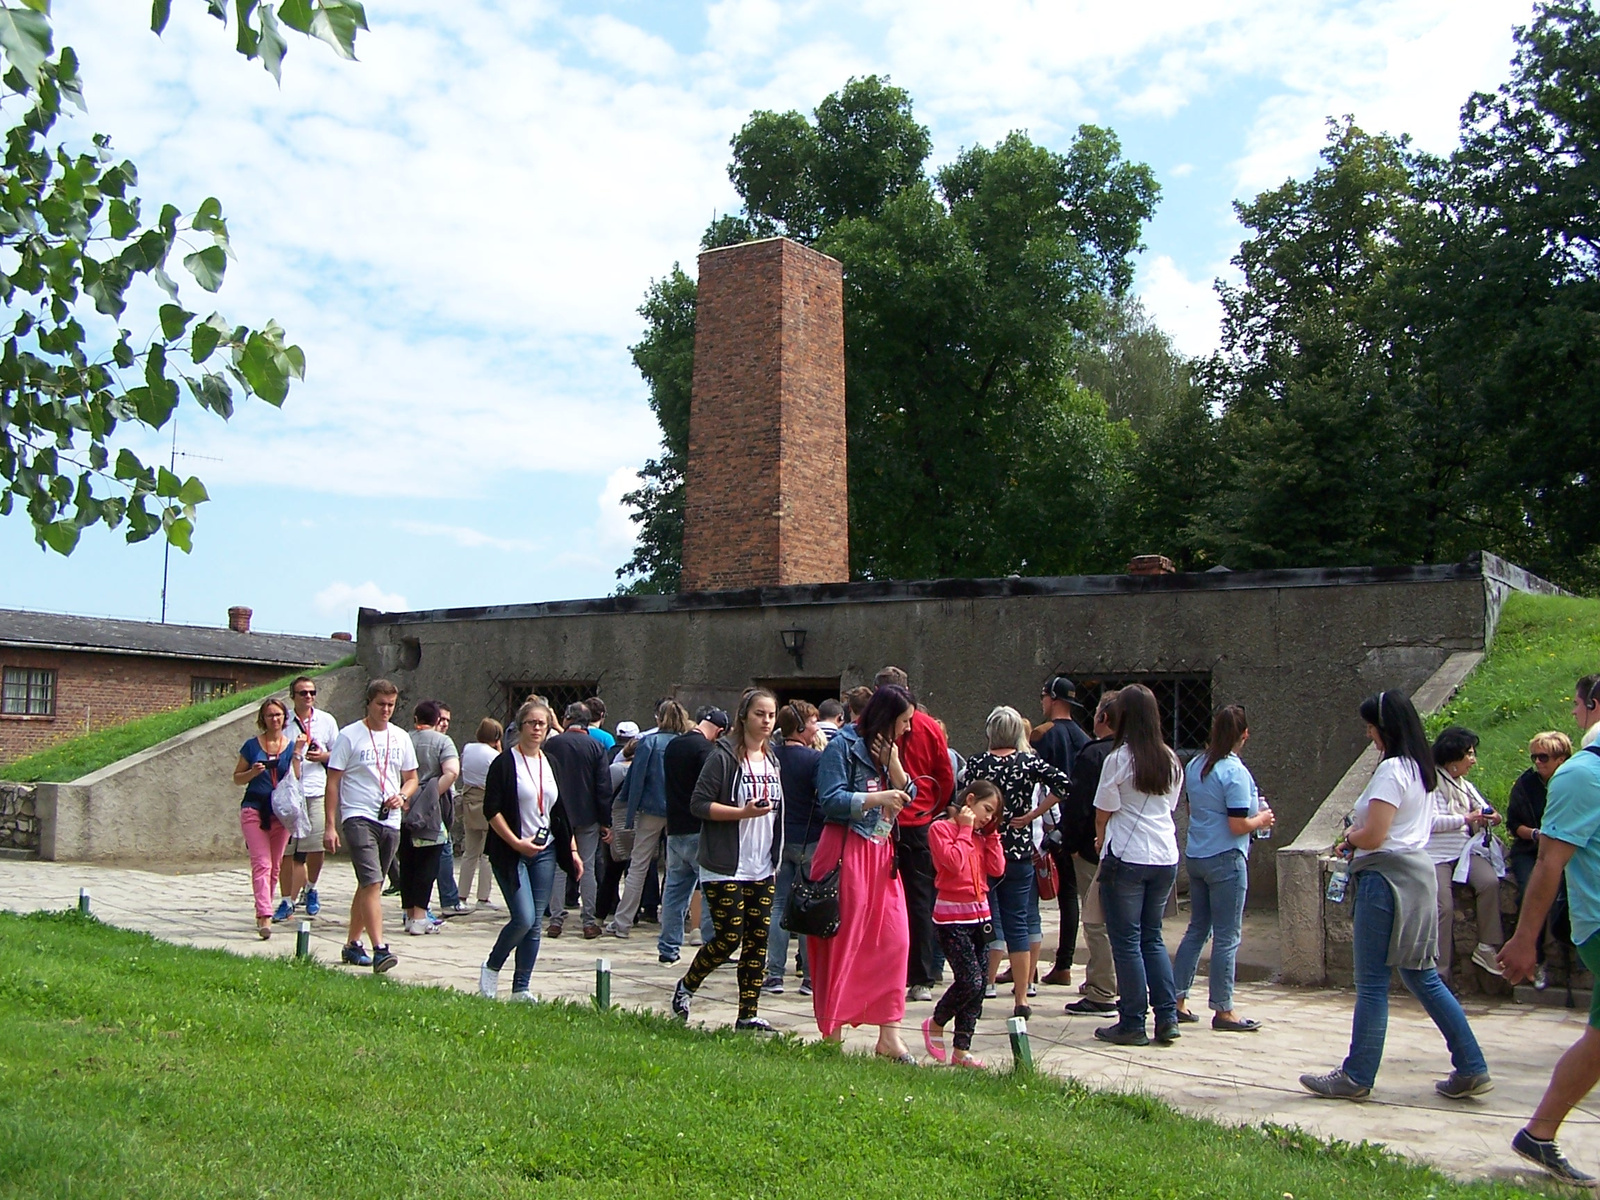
(523, 997)
(420, 926)
(1484, 956)
(488, 981)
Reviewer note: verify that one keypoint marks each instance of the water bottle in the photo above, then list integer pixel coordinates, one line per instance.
(1338, 882)
(1265, 831)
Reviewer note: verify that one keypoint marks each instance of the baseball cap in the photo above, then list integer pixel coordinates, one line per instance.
(716, 716)
(1059, 687)
(627, 729)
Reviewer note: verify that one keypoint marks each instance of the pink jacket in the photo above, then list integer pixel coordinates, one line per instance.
(963, 864)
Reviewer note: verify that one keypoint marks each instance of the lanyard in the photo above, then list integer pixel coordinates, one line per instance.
(383, 767)
(539, 794)
(760, 786)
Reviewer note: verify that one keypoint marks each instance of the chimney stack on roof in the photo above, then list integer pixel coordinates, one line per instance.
(239, 619)
(343, 637)
(1151, 564)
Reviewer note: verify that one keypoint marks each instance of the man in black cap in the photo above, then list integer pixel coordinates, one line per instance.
(1059, 746)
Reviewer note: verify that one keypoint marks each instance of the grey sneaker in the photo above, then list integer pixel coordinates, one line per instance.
(1335, 1085)
(773, 985)
(919, 992)
(1459, 1086)
(681, 995)
(1548, 1157)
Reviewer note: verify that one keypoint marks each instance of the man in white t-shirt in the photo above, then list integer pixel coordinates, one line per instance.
(372, 775)
(302, 857)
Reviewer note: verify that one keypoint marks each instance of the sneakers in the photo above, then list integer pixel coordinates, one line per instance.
(523, 998)
(1459, 1086)
(1118, 1036)
(1335, 1085)
(459, 909)
(612, 929)
(1167, 1034)
(1033, 989)
(990, 992)
(666, 959)
(356, 955)
(1484, 956)
(488, 982)
(1541, 978)
(753, 1025)
(918, 992)
(693, 938)
(681, 995)
(382, 959)
(773, 985)
(805, 987)
(1090, 1008)
(283, 912)
(1547, 1157)
(313, 902)
(422, 925)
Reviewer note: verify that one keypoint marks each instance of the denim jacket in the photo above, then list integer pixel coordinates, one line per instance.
(645, 787)
(842, 777)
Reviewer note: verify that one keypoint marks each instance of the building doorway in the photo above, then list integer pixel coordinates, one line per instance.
(815, 689)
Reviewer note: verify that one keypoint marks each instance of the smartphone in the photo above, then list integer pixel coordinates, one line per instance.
(541, 839)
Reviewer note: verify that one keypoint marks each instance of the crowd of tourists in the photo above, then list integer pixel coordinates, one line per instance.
(902, 862)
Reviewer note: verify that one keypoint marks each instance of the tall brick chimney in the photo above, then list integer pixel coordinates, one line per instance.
(765, 491)
(239, 619)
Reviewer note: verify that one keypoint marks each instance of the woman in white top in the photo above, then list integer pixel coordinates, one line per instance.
(476, 757)
(1463, 850)
(1393, 920)
(1138, 845)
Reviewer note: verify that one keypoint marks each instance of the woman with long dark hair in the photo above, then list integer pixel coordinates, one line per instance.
(1225, 810)
(1138, 845)
(1394, 916)
(859, 975)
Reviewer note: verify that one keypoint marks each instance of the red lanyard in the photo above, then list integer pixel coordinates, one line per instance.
(538, 795)
(383, 767)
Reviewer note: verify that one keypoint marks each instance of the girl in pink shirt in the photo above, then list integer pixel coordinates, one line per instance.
(966, 855)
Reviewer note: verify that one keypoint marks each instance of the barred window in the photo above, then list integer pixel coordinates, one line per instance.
(28, 692)
(1184, 701)
(558, 694)
(201, 690)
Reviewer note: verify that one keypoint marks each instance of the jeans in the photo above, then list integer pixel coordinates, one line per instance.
(1134, 896)
(683, 876)
(1014, 903)
(588, 838)
(916, 875)
(449, 893)
(795, 858)
(526, 887)
(1216, 910)
(1374, 919)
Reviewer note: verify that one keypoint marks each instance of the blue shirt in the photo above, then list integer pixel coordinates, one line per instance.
(601, 736)
(1228, 791)
(1572, 815)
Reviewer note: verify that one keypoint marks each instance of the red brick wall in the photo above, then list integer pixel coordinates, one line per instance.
(765, 488)
(97, 690)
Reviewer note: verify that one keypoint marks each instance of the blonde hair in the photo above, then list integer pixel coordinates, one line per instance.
(1551, 742)
(1006, 727)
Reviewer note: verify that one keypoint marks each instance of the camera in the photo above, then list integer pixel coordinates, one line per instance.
(541, 838)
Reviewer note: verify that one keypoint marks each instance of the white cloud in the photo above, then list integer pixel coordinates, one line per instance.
(469, 539)
(343, 599)
(1187, 309)
(615, 529)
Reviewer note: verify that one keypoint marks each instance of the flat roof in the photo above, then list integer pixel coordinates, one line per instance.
(196, 643)
(1474, 568)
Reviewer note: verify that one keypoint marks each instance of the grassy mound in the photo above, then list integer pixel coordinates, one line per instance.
(87, 753)
(134, 1068)
(1524, 685)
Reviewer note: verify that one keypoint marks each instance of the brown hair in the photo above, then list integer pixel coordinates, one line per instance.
(1228, 728)
(380, 687)
(1137, 721)
(751, 695)
(535, 704)
(857, 699)
(261, 713)
(978, 789)
(672, 717)
(490, 731)
(794, 716)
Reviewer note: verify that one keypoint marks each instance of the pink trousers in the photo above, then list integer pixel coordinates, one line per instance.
(266, 852)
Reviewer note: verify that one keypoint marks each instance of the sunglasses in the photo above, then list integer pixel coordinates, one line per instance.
(305, 691)
(1543, 758)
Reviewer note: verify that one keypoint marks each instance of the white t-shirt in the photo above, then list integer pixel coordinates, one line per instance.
(1398, 783)
(758, 779)
(476, 758)
(1141, 828)
(536, 791)
(373, 763)
(324, 731)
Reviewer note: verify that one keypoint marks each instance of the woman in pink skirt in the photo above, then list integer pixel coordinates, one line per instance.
(858, 975)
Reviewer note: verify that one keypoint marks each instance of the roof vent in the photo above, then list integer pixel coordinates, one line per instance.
(239, 619)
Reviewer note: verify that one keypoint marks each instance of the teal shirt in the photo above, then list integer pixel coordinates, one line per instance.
(1572, 815)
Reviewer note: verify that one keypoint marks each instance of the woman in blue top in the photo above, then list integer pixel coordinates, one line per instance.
(263, 761)
(1224, 811)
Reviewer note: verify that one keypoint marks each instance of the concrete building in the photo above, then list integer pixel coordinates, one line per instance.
(61, 676)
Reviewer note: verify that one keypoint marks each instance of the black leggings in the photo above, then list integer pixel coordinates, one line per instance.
(966, 949)
(419, 870)
(740, 913)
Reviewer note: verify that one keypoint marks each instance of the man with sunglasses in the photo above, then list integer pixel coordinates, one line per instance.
(302, 857)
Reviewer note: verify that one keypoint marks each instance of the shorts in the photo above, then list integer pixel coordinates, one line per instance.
(1589, 952)
(1014, 903)
(371, 848)
(312, 842)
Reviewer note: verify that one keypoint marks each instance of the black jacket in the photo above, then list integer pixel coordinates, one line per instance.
(1526, 807)
(500, 796)
(1077, 814)
(583, 775)
(1062, 743)
(680, 763)
(719, 840)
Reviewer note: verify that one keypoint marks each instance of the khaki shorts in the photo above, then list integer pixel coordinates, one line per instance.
(312, 842)
(371, 848)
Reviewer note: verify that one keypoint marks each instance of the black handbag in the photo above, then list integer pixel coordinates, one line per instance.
(813, 907)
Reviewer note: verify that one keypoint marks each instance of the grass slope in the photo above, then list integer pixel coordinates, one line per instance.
(82, 755)
(1524, 685)
(135, 1068)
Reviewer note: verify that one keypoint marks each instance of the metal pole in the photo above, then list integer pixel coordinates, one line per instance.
(83, 901)
(602, 982)
(1021, 1051)
(302, 941)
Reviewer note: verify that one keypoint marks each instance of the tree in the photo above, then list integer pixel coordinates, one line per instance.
(73, 232)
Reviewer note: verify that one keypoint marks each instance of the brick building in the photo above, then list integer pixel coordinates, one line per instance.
(61, 676)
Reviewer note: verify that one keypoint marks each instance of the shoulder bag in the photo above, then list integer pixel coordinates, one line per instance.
(813, 907)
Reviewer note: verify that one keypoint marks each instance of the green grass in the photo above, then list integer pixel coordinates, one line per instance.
(1524, 685)
(134, 1068)
(76, 757)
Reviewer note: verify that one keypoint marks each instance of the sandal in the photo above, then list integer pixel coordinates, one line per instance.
(1242, 1025)
(905, 1056)
(263, 932)
(935, 1047)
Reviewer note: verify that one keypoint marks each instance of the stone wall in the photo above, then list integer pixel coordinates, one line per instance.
(19, 823)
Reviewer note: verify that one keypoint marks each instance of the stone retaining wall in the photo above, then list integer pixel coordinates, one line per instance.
(19, 821)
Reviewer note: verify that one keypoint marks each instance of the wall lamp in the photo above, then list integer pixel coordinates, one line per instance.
(794, 641)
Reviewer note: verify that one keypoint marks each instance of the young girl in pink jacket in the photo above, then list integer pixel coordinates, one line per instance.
(966, 855)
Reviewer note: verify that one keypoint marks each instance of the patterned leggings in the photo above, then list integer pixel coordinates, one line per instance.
(740, 912)
(966, 949)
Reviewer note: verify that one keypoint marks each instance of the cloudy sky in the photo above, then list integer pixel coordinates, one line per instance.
(459, 227)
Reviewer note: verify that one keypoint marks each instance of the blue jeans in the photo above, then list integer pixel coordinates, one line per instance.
(683, 876)
(449, 894)
(795, 858)
(1216, 910)
(1374, 918)
(1014, 907)
(1134, 897)
(526, 887)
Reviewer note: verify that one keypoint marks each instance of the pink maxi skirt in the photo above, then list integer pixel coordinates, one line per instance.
(858, 976)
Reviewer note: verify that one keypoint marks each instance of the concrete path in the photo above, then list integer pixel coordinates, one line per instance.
(1248, 1078)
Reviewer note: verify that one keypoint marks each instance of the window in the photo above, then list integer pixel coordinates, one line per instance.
(201, 690)
(28, 692)
(559, 693)
(1184, 701)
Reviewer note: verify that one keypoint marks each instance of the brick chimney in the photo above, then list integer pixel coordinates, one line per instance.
(343, 637)
(239, 619)
(1151, 564)
(765, 486)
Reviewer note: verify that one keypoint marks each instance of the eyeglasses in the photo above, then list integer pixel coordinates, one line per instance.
(536, 724)
(305, 691)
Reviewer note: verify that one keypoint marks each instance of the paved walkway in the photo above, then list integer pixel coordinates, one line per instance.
(1226, 1077)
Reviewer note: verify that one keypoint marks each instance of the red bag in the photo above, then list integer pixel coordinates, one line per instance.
(1044, 874)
